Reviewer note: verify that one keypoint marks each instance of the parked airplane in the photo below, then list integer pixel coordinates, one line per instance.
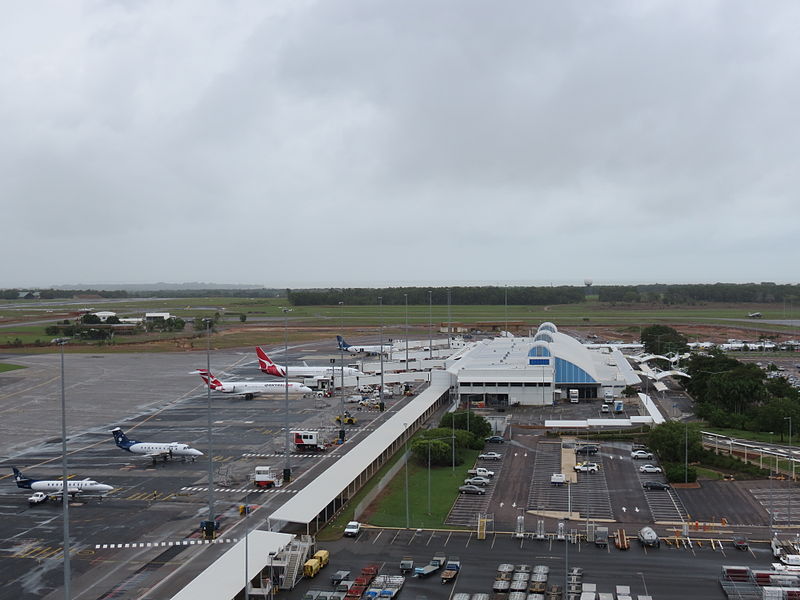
(248, 389)
(56, 487)
(154, 449)
(754, 315)
(343, 345)
(270, 368)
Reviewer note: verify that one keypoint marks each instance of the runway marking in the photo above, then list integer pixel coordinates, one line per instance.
(134, 545)
(240, 490)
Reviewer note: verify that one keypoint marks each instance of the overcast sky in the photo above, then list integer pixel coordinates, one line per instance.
(366, 142)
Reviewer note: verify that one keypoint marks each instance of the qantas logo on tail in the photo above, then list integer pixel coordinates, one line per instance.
(211, 381)
(267, 366)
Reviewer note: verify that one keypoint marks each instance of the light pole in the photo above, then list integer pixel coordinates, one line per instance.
(771, 493)
(380, 310)
(405, 296)
(287, 470)
(449, 320)
(405, 432)
(271, 576)
(210, 524)
(791, 459)
(341, 365)
(64, 493)
(506, 306)
(430, 324)
(686, 453)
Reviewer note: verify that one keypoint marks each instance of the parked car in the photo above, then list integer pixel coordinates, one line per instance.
(588, 450)
(740, 542)
(352, 529)
(477, 481)
(495, 439)
(649, 469)
(643, 454)
(471, 489)
(490, 456)
(655, 485)
(587, 467)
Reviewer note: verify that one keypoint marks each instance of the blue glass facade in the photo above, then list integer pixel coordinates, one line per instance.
(567, 372)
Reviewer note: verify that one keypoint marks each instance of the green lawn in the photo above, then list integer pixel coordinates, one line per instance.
(7, 367)
(390, 510)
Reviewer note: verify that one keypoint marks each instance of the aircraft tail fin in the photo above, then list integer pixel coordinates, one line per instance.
(121, 439)
(267, 366)
(211, 381)
(342, 344)
(20, 479)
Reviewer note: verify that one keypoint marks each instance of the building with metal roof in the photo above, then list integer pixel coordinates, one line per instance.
(537, 370)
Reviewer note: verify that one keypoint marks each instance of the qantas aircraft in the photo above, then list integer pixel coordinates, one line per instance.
(385, 349)
(248, 389)
(270, 368)
(56, 487)
(154, 449)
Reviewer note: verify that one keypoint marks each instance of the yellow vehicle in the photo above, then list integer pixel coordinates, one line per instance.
(323, 556)
(348, 419)
(311, 567)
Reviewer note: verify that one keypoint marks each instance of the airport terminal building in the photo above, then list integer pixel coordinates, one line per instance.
(537, 371)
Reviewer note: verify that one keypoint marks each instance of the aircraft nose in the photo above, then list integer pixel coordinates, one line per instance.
(194, 452)
(306, 390)
(105, 488)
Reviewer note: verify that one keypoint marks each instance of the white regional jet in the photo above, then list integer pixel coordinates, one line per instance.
(56, 487)
(248, 389)
(385, 349)
(154, 449)
(270, 368)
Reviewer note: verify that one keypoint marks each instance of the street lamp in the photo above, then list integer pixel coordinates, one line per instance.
(341, 365)
(430, 324)
(405, 431)
(64, 493)
(380, 310)
(405, 296)
(449, 320)
(210, 523)
(791, 459)
(287, 470)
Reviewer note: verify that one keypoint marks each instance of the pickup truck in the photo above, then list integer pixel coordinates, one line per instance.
(38, 498)
(451, 570)
(437, 562)
(481, 472)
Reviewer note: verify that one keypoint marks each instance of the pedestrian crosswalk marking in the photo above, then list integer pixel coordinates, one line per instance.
(133, 545)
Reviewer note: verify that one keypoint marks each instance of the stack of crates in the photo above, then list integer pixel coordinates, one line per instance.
(519, 581)
(624, 592)
(574, 583)
(502, 579)
(538, 582)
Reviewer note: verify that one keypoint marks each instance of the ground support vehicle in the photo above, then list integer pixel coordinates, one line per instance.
(41, 498)
(265, 477)
(601, 537)
(347, 419)
(308, 441)
(451, 570)
(406, 565)
(311, 567)
(558, 479)
(437, 562)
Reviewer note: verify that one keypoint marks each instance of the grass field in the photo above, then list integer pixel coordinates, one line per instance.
(265, 320)
(7, 367)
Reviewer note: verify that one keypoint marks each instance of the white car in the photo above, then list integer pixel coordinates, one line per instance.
(649, 469)
(490, 456)
(586, 467)
(352, 529)
(636, 454)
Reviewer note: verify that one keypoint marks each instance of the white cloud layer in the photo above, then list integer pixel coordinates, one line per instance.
(361, 141)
